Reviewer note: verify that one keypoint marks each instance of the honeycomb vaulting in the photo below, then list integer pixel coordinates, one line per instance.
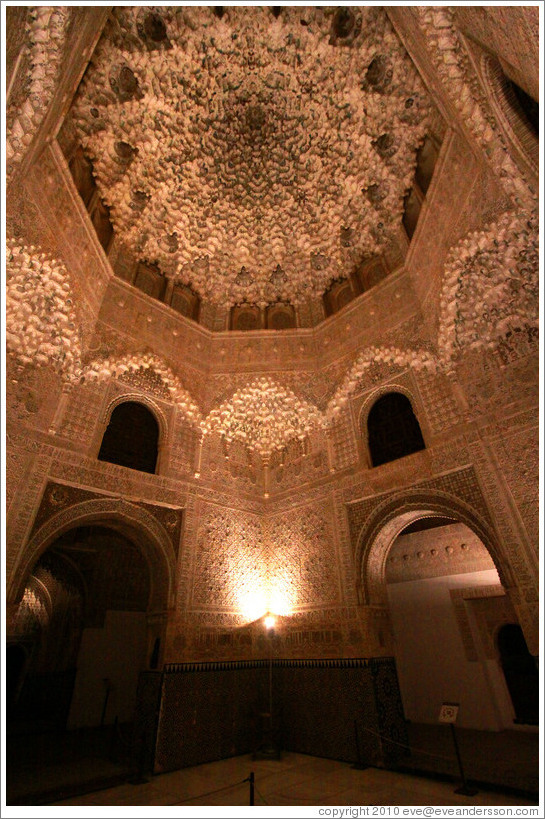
(254, 157)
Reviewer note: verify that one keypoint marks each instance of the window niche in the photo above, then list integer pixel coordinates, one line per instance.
(131, 438)
(393, 429)
(81, 169)
(340, 293)
(280, 317)
(185, 301)
(368, 273)
(149, 279)
(246, 317)
(426, 159)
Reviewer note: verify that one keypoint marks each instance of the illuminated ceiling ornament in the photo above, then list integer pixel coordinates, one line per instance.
(264, 416)
(253, 146)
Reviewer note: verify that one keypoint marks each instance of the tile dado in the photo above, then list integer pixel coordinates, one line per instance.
(341, 709)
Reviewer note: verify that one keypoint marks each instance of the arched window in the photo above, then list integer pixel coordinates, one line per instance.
(185, 301)
(245, 317)
(520, 673)
(393, 429)
(131, 438)
(337, 296)
(82, 174)
(150, 280)
(280, 317)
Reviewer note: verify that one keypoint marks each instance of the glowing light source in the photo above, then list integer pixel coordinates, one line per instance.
(269, 622)
(257, 594)
(279, 602)
(253, 604)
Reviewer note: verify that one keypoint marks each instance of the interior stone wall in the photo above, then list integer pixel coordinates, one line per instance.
(428, 637)
(436, 552)
(517, 453)
(116, 652)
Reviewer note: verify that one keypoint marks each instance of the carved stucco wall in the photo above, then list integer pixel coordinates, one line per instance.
(303, 563)
(517, 454)
(229, 565)
(79, 425)
(289, 562)
(82, 420)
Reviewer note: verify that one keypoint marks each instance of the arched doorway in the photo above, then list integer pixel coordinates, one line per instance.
(445, 600)
(90, 646)
(454, 559)
(47, 622)
(91, 592)
(446, 596)
(16, 659)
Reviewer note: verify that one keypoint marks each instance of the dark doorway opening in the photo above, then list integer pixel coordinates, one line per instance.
(521, 674)
(79, 645)
(16, 658)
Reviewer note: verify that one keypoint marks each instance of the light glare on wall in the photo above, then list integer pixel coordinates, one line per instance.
(257, 603)
(279, 603)
(253, 605)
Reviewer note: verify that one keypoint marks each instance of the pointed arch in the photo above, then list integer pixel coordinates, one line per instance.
(416, 359)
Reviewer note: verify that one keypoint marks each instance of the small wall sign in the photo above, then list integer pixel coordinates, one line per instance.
(449, 712)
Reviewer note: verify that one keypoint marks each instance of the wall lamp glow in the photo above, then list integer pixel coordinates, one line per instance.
(269, 621)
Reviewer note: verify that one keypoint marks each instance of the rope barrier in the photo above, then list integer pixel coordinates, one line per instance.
(421, 750)
(403, 745)
(261, 795)
(251, 778)
(217, 790)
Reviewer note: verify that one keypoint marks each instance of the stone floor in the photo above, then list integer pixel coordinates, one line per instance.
(294, 780)
(43, 766)
(45, 769)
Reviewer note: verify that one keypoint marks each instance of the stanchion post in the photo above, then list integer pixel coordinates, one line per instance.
(359, 766)
(448, 715)
(252, 787)
(465, 790)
